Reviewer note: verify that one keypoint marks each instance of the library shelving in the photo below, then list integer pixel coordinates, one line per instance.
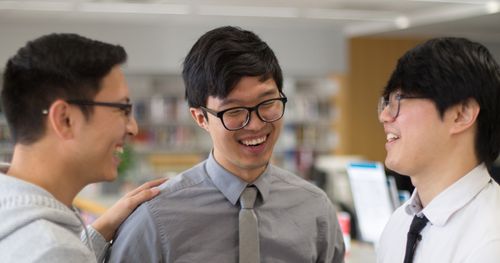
(170, 140)
(5, 141)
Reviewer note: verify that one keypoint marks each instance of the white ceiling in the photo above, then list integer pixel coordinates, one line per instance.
(478, 19)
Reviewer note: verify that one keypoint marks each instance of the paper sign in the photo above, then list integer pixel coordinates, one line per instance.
(371, 198)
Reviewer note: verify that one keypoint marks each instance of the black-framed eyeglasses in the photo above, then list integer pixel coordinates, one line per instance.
(238, 117)
(393, 103)
(126, 108)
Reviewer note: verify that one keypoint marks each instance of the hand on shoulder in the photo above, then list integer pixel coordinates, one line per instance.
(108, 223)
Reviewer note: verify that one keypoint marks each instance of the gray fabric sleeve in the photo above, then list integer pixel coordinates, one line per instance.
(95, 242)
(331, 242)
(61, 254)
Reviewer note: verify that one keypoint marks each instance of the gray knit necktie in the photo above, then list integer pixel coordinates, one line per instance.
(249, 231)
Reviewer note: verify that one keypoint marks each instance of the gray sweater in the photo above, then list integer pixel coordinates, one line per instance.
(35, 227)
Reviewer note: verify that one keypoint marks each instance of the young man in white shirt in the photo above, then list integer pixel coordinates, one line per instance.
(441, 114)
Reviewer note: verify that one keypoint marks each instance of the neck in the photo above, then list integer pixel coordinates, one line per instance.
(246, 172)
(47, 170)
(250, 176)
(431, 182)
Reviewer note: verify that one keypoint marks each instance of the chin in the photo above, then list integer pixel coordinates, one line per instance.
(110, 177)
(391, 164)
(395, 166)
(257, 164)
(261, 161)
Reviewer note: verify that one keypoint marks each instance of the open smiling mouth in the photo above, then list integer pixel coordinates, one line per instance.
(391, 137)
(118, 151)
(254, 142)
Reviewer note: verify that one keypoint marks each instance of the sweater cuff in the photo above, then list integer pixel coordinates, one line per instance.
(98, 242)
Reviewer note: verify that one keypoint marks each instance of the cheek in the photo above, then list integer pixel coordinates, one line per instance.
(278, 127)
(422, 139)
(220, 136)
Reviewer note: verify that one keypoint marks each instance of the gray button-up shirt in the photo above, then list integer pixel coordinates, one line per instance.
(195, 219)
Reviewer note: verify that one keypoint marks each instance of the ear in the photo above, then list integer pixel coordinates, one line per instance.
(465, 115)
(199, 117)
(60, 119)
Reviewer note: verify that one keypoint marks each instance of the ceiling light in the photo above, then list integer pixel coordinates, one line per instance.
(428, 17)
(467, 2)
(492, 7)
(36, 5)
(343, 14)
(402, 22)
(249, 11)
(134, 8)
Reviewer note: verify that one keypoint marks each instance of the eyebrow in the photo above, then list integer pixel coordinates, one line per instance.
(262, 95)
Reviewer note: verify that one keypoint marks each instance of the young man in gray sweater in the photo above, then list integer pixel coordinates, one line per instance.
(67, 104)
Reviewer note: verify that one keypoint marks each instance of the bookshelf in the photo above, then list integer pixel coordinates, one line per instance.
(5, 141)
(169, 141)
(309, 122)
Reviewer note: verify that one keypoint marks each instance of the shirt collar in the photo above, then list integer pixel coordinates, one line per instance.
(231, 186)
(453, 198)
(414, 205)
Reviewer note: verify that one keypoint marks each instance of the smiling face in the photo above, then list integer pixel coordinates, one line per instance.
(245, 152)
(417, 138)
(103, 135)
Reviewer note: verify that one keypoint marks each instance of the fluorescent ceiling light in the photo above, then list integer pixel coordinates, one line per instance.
(133, 8)
(468, 2)
(36, 5)
(364, 28)
(343, 14)
(439, 15)
(447, 14)
(402, 22)
(249, 11)
(492, 7)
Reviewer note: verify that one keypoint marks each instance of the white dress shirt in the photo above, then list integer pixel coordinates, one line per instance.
(464, 224)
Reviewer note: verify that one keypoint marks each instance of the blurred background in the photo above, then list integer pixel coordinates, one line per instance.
(336, 56)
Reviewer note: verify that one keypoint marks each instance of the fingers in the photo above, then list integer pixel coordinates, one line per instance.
(143, 196)
(142, 193)
(115, 215)
(146, 185)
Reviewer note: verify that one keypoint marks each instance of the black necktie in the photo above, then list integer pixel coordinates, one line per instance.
(414, 236)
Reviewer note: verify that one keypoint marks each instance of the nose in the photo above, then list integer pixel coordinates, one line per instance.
(384, 116)
(132, 128)
(255, 123)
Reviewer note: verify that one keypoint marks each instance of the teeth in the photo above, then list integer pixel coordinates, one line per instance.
(391, 137)
(119, 150)
(254, 141)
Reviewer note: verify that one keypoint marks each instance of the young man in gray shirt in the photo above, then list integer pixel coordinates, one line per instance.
(234, 90)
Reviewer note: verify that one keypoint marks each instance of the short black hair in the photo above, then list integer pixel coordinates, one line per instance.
(51, 67)
(220, 58)
(449, 71)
